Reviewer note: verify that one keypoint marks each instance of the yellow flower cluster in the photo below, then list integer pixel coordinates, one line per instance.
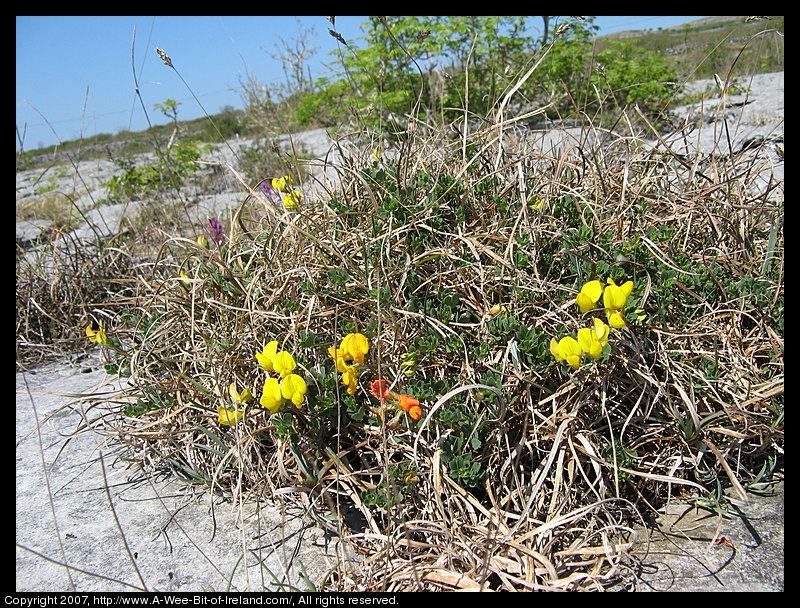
(349, 355)
(98, 335)
(614, 299)
(290, 387)
(593, 340)
(287, 386)
(291, 197)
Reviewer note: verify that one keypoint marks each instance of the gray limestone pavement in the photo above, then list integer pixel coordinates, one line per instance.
(693, 549)
(89, 520)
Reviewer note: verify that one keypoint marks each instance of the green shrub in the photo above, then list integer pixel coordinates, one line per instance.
(635, 76)
(169, 170)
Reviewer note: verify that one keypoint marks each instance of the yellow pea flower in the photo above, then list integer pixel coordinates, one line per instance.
(567, 349)
(293, 388)
(229, 417)
(244, 397)
(614, 299)
(283, 183)
(283, 363)
(355, 347)
(601, 331)
(349, 372)
(290, 200)
(271, 396)
(336, 354)
(593, 339)
(350, 379)
(589, 295)
(265, 357)
(273, 361)
(98, 336)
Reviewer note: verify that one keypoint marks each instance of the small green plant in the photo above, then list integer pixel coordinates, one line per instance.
(619, 457)
(168, 171)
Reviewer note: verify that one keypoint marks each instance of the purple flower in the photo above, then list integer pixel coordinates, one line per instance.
(267, 189)
(216, 231)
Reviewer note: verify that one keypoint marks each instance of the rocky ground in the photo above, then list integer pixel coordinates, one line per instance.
(749, 120)
(76, 499)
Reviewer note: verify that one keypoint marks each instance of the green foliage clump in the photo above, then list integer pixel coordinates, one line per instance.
(635, 76)
(168, 171)
(436, 68)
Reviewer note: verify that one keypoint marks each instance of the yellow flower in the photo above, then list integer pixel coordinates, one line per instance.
(293, 388)
(614, 299)
(349, 372)
(229, 417)
(589, 295)
(283, 183)
(242, 398)
(593, 339)
(567, 349)
(273, 361)
(271, 397)
(355, 347)
(265, 358)
(350, 379)
(283, 363)
(290, 200)
(98, 336)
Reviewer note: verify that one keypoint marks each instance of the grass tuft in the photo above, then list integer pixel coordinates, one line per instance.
(523, 473)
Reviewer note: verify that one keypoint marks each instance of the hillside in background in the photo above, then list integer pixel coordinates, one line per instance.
(708, 46)
(698, 49)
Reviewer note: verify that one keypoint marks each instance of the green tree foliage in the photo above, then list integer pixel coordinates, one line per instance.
(438, 67)
(634, 76)
(424, 65)
(562, 79)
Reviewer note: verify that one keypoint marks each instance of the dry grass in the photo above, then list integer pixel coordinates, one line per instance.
(61, 286)
(413, 250)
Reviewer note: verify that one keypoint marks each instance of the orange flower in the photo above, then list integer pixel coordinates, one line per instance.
(379, 389)
(410, 406)
(407, 403)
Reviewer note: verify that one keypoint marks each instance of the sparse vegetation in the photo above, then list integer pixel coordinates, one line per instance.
(456, 253)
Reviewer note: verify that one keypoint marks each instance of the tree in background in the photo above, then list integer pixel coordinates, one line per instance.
(428, 65)
(441, 67)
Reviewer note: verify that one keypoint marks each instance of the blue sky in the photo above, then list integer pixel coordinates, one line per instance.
(75, 72)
